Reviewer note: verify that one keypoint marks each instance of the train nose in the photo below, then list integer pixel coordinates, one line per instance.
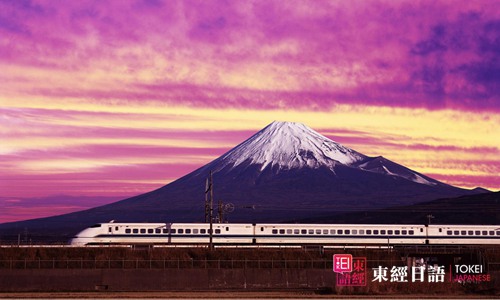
(76, 241)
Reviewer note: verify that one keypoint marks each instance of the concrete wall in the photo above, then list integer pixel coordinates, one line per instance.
(162, 280)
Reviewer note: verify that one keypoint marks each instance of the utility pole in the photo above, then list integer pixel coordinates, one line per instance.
(429, 217)
(209, 206)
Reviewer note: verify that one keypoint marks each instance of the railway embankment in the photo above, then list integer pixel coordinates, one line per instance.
(112, 269)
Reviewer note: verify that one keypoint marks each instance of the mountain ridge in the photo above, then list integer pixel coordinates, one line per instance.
(284, 172)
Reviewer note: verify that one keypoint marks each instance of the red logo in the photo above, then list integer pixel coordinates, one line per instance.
(342, 263)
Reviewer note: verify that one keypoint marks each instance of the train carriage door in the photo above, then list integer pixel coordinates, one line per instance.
(254, 240)
(168, 226)
(427, 234)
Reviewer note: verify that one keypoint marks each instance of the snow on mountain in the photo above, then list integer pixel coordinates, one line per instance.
(286, 146)
(289, 145)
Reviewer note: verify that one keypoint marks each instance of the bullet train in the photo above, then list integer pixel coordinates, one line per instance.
(285, 234)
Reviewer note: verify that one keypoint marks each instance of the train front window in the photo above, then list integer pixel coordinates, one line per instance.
(95, 226)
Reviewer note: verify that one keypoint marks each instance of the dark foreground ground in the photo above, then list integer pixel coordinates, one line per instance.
(108, 272)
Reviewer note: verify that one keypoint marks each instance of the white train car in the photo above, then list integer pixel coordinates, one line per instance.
(463, 234)
(285, 234)
(343, 234)
(163, 233)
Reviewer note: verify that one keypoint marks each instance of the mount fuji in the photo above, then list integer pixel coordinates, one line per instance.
(283, 173)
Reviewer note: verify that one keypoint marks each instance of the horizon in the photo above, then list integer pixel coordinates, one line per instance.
(103, 101)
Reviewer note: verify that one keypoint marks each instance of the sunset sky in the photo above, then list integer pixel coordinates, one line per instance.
(102, 100)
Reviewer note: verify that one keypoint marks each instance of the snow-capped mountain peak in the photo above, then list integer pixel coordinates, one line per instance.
(290, 145)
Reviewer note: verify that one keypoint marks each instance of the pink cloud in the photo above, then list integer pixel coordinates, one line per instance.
(433, 55)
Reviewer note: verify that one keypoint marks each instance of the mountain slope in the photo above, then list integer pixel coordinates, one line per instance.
(286, 171)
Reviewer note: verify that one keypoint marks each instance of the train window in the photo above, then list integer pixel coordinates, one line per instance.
(157, 230)
(262, 229)
(288, 231)
(116, 228)
(303, 231)
(217, 231)
(143, 230)
(173, 230)
(411, 232)
(421, 230)
(382, 231)
(347, 231)
(275, 231)
(188, 230)
(151, 230)
(478, 232)
(389, 231)
(110, 229)
(470, 232)
(311, 231)
(282, 231)
(354, 231)
(332, 231)
(340, 231)
(463, 232)
(440, 229)
(203, 231)
(135, 230)
(318, 231)
(361, 231)
(227, 228)
(296, 231)
(180, 231)
(404, 232)
(448, 232)
(195, 231)
(455, 232)
(128, 230)
(498, 232)
(492, 232)
(396, 231)
(485, 232)
(325, 231)
(368, 232)
(375, 232)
